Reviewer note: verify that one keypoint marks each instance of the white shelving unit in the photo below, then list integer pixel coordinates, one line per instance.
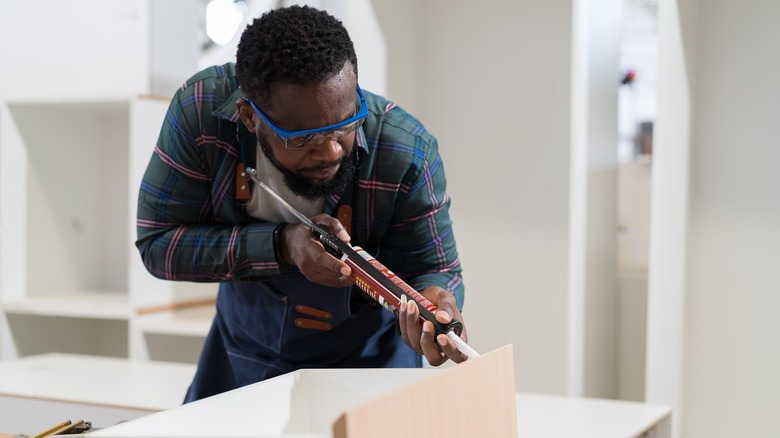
(75, 138)
(71, 277)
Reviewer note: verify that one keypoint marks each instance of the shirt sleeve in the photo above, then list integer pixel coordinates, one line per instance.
(179, 237)
(420, 243)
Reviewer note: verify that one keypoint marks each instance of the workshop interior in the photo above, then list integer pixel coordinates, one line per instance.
(614, 198)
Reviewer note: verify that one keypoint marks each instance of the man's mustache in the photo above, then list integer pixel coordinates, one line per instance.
(324, 165)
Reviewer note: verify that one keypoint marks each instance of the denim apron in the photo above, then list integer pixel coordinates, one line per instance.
(265, 328)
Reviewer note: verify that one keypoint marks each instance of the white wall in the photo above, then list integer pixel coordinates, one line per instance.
(722, 355)
(399, 23)
(733, 288)
(493, 81)
(358, 17)
(494, 87)
(173, 33)
(55, 49)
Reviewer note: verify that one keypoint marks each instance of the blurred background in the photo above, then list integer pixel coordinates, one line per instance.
(611, 165)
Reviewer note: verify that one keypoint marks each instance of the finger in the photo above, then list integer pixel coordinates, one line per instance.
(444, 314)
(333, 225)
(402, 320)
(322, 275)
(447, 311)
(331, 264)
(327, 279)
(413, 329)
(429, 348)
(446, 308)
(343, 235)
(449, 349)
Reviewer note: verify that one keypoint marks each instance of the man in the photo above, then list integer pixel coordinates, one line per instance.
(329, 148)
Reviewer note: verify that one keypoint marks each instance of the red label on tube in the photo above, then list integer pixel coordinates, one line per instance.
(416, 296)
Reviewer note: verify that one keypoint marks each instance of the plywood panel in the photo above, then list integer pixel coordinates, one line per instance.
(479, 395)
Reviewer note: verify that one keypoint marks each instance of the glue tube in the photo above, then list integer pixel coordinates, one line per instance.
(389, 290)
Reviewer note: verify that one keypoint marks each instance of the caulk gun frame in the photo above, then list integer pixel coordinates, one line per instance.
(343, 250)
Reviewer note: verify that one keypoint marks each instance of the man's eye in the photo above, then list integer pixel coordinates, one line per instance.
(302, 140)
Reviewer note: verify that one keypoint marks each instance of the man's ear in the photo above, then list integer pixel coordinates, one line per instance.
(247, 114)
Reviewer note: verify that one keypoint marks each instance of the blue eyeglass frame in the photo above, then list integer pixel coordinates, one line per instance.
(287, 134)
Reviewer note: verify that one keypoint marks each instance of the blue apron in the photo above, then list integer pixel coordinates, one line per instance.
(265, 328)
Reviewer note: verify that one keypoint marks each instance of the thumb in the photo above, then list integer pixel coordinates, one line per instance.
(443, 314)
(343, 235)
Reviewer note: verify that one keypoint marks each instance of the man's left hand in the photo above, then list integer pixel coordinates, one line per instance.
(421, 337)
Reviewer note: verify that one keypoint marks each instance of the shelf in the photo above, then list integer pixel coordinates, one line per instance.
(102, 106)
(66, 202)
(195, 321)
(72, 279)
(97, 380)
(86, 305)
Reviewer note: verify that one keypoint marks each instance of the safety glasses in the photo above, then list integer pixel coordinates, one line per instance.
(312, 137)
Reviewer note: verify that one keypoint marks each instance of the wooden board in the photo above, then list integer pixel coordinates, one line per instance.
(475, 398)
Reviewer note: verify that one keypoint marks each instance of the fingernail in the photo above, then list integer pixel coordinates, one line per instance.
(442, 340)
(345, 271)
(443, 313)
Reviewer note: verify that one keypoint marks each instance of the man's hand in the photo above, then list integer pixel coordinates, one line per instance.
(421, 338)
(302, 249)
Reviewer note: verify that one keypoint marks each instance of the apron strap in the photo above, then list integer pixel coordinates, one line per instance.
(344, 207)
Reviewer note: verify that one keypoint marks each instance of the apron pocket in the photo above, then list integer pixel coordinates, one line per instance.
(257, 316)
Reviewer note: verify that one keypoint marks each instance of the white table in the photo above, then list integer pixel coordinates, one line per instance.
(538, 416)
(556, 416)
(39, 391)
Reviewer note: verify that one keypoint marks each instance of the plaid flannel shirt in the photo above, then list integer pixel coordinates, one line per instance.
(191, 227)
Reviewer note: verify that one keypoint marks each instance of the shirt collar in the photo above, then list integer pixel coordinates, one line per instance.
(360, 139)
(228, 110)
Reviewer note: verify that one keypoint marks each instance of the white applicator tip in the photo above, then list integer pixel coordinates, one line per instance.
(462, 345)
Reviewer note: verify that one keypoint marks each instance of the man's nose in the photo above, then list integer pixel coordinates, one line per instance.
(328, 150)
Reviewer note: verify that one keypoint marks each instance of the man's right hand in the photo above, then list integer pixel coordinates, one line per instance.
(300, 247)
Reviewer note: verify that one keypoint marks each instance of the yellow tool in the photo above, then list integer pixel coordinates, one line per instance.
(65, 428)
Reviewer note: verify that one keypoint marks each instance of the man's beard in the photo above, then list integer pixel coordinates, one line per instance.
(313, 190)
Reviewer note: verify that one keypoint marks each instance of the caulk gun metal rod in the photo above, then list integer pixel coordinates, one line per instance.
(305, 220)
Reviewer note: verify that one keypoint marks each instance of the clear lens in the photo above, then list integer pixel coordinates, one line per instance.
(304, 141)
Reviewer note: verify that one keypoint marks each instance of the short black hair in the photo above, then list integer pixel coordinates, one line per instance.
(297, 44)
